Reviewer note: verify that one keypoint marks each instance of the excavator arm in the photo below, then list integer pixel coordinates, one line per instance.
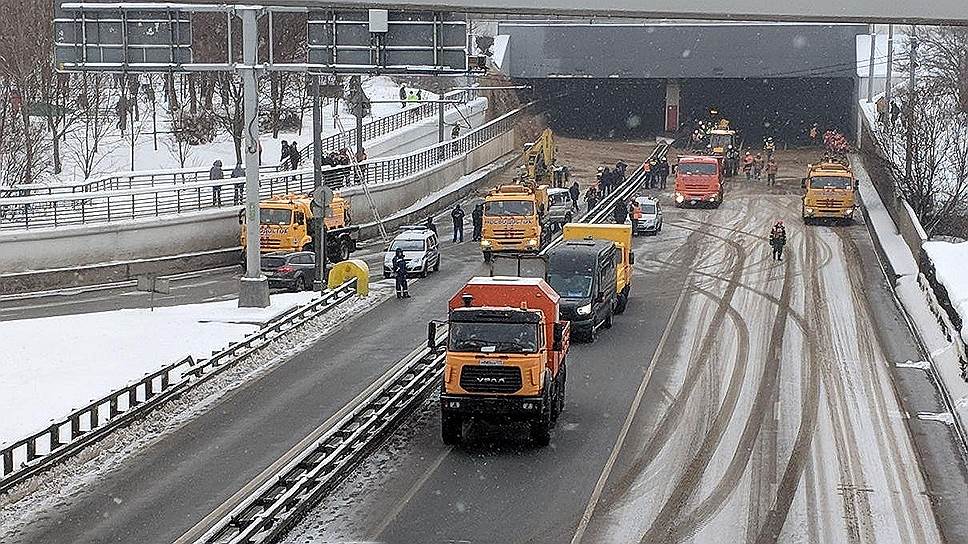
(540, 157)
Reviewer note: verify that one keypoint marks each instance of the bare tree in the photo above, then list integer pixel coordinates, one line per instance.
(943, 61)
(96, 122)
(937, 187)
(229, 114)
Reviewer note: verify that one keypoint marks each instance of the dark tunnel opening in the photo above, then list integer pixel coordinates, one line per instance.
(635, 109)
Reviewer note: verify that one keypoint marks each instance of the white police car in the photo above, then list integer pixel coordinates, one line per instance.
(420, 249)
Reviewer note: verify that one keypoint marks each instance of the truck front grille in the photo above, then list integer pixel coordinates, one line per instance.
(490, 379)
(508, 234)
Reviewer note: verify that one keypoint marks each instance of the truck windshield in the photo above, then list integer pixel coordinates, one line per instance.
(407, 245)
(832, 182)
(571, 286)
(697, 168)
(275, 216)
(488, 337)
(502, 208)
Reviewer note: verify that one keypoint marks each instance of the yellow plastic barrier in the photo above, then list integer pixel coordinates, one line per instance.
(353, 268)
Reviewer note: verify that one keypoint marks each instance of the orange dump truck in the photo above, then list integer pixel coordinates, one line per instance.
(699, 180)
(506, 353)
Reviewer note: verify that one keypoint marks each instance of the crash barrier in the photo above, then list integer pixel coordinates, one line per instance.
(154, 178)
(352, 269)
(40, 451)
(25, 213)
(282, 497)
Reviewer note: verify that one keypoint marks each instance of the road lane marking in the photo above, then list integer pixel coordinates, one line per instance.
(623, 434)
(414, 489)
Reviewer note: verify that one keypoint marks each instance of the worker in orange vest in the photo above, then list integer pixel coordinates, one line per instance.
(635, 212)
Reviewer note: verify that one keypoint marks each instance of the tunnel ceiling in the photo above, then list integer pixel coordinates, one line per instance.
(680, 50)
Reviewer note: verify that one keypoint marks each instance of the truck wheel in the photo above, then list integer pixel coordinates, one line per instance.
(623, 300)
(437, 265)
(450, 428)
(541, 426)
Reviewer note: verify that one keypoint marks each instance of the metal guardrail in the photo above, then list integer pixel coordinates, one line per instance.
(24, 213)
(64, 437)
(156, 178)
(278, 502)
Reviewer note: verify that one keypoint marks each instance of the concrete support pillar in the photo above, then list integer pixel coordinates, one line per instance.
(253, 287)
(672, 106)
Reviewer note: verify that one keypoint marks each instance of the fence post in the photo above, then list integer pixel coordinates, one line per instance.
(76, 426)
(178, 200)
(31, 449)
(113, 407)
(109, 208)
(132, 206)
(55, 213)
(54, 436)
(83, 209)
(7, 462)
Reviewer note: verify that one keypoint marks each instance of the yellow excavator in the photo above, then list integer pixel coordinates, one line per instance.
(540, 160)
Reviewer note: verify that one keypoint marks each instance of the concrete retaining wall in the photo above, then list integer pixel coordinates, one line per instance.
(103, 244)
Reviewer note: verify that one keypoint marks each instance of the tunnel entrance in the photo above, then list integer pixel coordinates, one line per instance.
(784, 108)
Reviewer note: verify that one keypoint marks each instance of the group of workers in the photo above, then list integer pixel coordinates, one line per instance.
(755, 165)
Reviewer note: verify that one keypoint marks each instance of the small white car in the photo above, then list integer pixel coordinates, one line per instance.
(420, 249)
(651, 221)
(559, 206)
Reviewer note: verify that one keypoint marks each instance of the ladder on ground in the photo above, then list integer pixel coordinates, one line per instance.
(358, 172)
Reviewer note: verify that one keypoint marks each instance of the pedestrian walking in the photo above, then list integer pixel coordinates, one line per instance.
(399, 265)
(121, 108)
(620, 212)
(574, 192)
(238, 173)
(294, 156)
(215, 174)
(403, 96)
(647, 171)
(748, 165)
(457, 214)
(419, 97)
(284, 154)
(454, 136)
(430, 224)
(606, 181)
(477, 218)
(635, 212)
(591, 197)
(778, 240)
(771, 170)
(663, 172)
(758, 166)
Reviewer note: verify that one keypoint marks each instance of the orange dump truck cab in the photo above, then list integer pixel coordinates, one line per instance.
(699, 180)
(505, 359)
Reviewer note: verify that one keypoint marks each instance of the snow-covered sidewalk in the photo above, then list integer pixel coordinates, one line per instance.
(910, 290)
(54, 365)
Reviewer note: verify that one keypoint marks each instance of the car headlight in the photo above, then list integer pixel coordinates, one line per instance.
(585, 310)
(679, 197)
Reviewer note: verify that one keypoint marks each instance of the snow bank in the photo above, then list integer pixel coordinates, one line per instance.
(54, 365)
(898, 252)
(950, 264)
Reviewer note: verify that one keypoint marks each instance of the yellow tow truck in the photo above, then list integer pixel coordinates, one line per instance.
(286, 225)
(829, 191)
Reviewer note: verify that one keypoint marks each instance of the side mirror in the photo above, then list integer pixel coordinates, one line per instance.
(631, 258)
(558, 337)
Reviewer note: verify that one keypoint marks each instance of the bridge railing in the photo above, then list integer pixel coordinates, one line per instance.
(154, 178)
(58, 210)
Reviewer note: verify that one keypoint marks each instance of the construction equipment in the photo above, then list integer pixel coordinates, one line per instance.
(621, 236)
(829, 191)
(505, 356)
(513, 219)
(540, 159)
(287, 225)
(720, 138)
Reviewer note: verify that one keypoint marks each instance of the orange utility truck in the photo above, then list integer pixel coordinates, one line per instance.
(699, 180)
(505, 356)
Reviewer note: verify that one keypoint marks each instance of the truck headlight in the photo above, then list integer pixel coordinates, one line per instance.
(679, 197)
(533, 242)
(585, 310)
(485, 243)
(808, 211)
(712, 198)
(849, 211)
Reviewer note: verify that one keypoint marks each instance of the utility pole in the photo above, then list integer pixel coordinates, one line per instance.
(870, 66)
(320, 221)
(440, 121)
(253, 287)
(912, 61)
(888, 92)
